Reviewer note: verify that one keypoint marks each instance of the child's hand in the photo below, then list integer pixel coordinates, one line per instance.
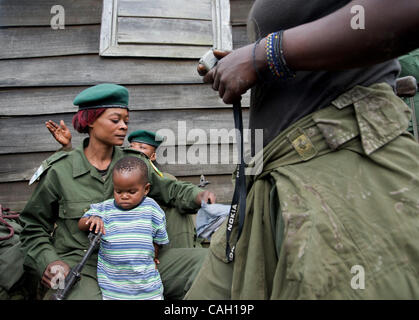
(97, 223)
(156, 261)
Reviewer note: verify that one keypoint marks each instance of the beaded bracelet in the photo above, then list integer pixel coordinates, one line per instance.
(275, 56)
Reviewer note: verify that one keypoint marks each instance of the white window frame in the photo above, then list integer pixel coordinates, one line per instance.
(221, 27)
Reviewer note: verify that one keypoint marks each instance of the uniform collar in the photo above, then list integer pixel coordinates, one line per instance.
(80, 164)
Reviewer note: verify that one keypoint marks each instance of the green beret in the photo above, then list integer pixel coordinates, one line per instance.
(105, 95)
(146, 137)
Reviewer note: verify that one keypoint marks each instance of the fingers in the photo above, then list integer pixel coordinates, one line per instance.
(46, 280)
(219, 54)
(210, 75)
(212, 198)
(63, 125)
(202, 71)
(97, 224)
(206, 197)
(51, 126)
(54, 272)
(230, 96)
(216, 80)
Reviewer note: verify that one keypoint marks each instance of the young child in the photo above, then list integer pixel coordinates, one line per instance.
(145, 141)
(133, 227)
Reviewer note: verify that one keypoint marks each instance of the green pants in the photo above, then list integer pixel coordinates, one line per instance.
(178, 268)
(334, 213)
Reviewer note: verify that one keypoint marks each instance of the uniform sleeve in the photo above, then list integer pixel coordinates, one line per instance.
(39, 216)
(410, 64)
(159, 226)
(174, 193)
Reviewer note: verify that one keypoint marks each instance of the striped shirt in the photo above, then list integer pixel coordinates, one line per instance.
(126, 268)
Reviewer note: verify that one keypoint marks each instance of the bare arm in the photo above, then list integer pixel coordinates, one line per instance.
(329, 43)
(156, 253)
(391, 29)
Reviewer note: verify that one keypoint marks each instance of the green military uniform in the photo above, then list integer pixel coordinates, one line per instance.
(69, 184)
(180, 227)
(410, 67)
(11, 258)
(334, 214)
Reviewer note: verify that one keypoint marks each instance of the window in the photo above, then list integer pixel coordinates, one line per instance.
(164, 28)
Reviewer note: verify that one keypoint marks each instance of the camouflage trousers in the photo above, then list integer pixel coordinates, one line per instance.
(334, 213)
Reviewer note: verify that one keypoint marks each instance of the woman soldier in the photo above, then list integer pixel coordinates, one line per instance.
(334, 213)
(72, 181)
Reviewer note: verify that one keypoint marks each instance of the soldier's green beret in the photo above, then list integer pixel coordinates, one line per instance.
(105, 95)
(146, 137)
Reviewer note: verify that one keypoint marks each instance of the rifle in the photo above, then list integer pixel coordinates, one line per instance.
(74, 274)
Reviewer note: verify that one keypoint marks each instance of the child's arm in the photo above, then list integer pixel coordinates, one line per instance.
(156, 253)
(88, 223)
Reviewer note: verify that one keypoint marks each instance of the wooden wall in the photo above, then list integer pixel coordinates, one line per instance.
(42, 70)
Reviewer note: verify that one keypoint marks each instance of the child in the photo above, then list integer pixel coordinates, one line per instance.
(145, 141)
(133, 228)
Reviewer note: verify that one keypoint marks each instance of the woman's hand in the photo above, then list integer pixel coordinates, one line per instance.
(54, 273)
(60, 133)
(235, 73)
(92, 222)
(206, 196)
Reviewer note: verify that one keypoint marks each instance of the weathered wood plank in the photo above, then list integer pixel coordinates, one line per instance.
(28, 42)
(20, 167)
(55, 100)
(164, 31)
(14, 195)
(201, 159)
(156, 50)
(183, 9)
(240, 10)
(28, 134)
(221, 185)
(92, 69)
(38, 13)
(240, 37)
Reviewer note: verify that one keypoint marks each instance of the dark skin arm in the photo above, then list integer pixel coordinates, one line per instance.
(329, 43)
(156, 254)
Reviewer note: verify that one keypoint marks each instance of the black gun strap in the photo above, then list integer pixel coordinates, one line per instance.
(239, 196)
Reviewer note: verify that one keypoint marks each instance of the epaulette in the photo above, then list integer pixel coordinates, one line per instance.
(155, 168)
(46, 164)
